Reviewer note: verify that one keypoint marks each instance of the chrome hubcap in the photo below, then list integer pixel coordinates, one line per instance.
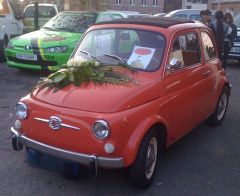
(222, 106)
(151, 158)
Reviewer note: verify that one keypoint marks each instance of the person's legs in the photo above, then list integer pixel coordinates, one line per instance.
(225, 54)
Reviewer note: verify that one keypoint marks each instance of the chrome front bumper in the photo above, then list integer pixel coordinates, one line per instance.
(84, 159)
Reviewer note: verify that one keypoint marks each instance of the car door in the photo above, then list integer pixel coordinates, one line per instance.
(212, 78)
(185, 86)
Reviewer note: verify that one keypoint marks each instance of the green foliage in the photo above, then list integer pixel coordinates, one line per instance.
(78, 72)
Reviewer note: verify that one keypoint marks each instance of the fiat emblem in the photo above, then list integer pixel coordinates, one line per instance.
(55, 122)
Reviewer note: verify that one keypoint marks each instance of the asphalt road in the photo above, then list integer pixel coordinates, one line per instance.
(206, 162)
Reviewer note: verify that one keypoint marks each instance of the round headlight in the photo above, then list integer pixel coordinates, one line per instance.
(101, 129)
(21, 110)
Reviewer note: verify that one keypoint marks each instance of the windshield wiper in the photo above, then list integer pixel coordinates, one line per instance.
(49, 28)
(64, 29)
(116, 57)
(87, 53)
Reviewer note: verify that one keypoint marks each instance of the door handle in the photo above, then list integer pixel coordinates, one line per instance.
(206, 73)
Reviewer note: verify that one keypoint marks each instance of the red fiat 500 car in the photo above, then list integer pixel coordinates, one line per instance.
(177, 82)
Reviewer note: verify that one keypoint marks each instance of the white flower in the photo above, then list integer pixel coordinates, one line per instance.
(72, 69)
(97, 64)
(50, 81)
(71, 77)
(75, 62)
(59, 76)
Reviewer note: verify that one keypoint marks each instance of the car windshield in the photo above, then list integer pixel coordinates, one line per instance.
(143, 50)
(71, 22)
(237, 20)
(43, 11)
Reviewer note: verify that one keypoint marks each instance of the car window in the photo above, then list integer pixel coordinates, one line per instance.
(104, 17)
(71, 22)
(195, 17)
(43, 12)
(208, 47)
(237, 20)
(116, 16)
(180, 16)
(140, 49)
(186, 49)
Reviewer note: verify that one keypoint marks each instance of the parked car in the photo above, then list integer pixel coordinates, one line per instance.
(51, 46)
(177, 82)
(235, 50)
(10, 26)
(192, 14)
(139, 15)
(159, 14)
(45, 13)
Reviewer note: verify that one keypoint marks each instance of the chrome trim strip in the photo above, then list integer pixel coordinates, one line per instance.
(233, 54)
(62, 124)
(70, 155)
(69, 126)
(41, 119)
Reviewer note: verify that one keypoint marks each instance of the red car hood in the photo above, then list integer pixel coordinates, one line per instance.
(100, 98)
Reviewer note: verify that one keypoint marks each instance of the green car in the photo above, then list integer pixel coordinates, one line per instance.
(51, 46)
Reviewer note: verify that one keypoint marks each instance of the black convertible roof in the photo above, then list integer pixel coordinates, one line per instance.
(164, 22)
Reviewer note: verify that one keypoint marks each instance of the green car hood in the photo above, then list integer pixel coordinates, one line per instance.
(45, 38)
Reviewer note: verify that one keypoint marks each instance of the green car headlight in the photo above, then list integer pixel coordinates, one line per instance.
(58, 49)
(10, 45)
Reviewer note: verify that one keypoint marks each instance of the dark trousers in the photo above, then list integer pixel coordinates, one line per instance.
(227, 48)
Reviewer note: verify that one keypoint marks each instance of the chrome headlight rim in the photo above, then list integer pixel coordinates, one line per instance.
(24, 106)
(104, 123)
(56, 49)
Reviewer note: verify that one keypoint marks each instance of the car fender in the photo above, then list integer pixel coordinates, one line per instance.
(132, 147)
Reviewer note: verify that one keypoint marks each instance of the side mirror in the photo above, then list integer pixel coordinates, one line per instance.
(174, 64)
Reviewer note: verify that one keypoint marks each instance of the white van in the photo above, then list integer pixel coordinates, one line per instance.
(45, 13)
(11, 25)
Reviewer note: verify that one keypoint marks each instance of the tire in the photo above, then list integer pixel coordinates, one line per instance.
(219, 114)
(3, 45)
(143, 170)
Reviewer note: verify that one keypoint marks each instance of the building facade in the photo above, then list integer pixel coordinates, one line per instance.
(142, 6)
(195, 4)
(224, 5)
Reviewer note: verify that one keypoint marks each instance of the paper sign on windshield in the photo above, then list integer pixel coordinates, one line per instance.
(141, 57)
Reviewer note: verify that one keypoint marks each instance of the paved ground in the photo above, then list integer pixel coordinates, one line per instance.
(206, 162)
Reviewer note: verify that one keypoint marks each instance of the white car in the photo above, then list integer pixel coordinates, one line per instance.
(46, 11)
(11, 25)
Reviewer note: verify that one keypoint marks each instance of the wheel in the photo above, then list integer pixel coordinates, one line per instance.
(143, 170)
(217, 117)
(3, 45)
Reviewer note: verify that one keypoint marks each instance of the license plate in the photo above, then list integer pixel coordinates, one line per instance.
(235, 49)
(31, 57)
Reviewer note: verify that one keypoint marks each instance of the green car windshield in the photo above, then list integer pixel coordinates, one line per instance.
(71, 22)
(143, 50)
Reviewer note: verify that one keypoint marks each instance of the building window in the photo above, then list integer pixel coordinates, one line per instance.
(155, 2)
(104, 1)
(118, 2)
(132, 2)
(144, 2)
